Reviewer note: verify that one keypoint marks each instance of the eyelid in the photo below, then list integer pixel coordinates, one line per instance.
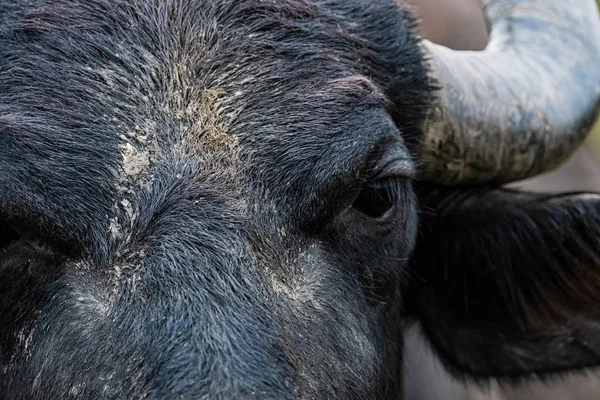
(399, 168)
(395, 162)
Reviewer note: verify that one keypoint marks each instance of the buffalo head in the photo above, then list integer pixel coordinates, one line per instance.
(215, 199)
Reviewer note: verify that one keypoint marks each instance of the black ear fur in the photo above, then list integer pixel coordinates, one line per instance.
(507, 283)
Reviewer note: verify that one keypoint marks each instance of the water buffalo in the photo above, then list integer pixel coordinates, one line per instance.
(249, 198)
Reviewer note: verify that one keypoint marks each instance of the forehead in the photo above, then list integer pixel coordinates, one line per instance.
(107, 94)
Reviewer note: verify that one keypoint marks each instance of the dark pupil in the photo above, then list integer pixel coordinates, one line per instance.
(375, 199)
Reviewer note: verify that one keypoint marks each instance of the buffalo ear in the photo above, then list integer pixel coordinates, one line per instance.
(506, 283)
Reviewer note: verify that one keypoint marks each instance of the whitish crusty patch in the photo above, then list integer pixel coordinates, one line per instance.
(134, 160)
(301, 287)
(138, 149)
(209, 132)
(138, 152)
(205, 116)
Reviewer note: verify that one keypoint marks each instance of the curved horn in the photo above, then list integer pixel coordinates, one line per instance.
(521, 106)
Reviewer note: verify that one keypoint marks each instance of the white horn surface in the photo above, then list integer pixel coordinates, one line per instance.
(523, 105)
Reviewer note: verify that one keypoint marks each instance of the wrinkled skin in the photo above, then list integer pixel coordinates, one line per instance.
(183, 193)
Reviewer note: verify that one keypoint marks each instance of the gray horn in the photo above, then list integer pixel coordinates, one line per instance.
(524, 104)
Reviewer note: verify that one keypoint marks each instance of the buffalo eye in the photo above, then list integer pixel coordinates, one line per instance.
(378, 197)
